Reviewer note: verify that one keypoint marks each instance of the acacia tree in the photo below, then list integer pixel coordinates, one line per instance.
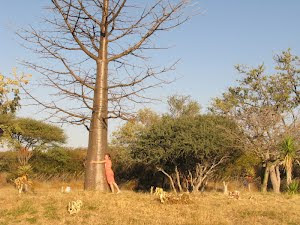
(25, 135)
(266, 106)
(99, 67)
(30, 133)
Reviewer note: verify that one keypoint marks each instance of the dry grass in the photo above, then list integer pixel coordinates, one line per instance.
(49, 206)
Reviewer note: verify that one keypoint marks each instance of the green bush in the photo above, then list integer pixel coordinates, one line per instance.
(58, 161)
(24, 170)
(293, 187)
(45, 163)
(8, 161)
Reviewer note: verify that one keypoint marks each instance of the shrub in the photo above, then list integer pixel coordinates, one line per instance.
(8, 161)
(45, 163)
(58, 161)
(24, 170)
(293, 187)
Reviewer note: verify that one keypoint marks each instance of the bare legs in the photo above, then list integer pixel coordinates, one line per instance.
(115, 184)
(112, 185)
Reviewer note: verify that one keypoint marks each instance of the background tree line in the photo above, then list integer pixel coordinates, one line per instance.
(253, 127)
(252, 130)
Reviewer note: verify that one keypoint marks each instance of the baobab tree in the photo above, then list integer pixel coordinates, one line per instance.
(93, 54)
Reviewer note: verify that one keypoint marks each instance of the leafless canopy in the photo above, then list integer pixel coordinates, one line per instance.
(68, 46)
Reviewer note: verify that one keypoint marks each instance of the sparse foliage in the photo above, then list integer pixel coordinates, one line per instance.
(267, 107)
(101, 66)
(9, 92)
(180, 105)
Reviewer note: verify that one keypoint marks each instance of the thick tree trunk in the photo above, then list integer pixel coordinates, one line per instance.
(289, 175)
(264, 185)
(275, 178)
(95, 178)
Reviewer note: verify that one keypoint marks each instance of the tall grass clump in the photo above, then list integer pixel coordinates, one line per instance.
(293, 187)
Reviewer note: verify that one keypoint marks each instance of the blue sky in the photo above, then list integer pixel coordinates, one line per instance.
(226, 33)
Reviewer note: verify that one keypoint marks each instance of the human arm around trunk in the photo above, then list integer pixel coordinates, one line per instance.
(96, 162)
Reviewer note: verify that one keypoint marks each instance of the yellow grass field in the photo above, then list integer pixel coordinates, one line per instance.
(49, 206)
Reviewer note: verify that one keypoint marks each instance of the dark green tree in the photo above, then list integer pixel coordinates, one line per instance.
(26, 135)
(188, 150)
(30, 133)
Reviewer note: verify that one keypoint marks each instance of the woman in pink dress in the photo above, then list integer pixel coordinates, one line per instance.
(110, 177)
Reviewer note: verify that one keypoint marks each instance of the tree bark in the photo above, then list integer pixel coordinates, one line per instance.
(265, 179)
(275, 178)
(100, 31)
(199, 184)
(178, 179)
(289, 175)
(95, 178)
(225, 185)
(170, 178)
(204, 184)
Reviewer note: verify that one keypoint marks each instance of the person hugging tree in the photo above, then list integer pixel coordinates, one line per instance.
(110, 177)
